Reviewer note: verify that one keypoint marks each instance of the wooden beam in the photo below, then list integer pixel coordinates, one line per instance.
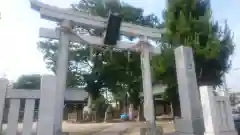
(86, 20)
(92, 40)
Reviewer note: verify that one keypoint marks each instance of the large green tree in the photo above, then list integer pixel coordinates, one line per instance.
(28, 82)
(100, 68)
(190, 23)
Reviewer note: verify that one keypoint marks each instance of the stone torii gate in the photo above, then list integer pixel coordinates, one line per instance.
(68, 19)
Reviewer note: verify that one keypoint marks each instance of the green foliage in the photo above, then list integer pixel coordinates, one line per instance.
(128, 12)
(190, 23)
(122, 74)
(28, 82)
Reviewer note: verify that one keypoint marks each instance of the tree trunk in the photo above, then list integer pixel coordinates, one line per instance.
(126, 104)
(90, 99)
(121, 105)
(171, 111)
(89, 105)
(117, 104)
(107, 113)
(154, 109)
(140, 113)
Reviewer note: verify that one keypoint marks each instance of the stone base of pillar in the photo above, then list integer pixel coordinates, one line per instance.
(146, 130)
(179, 133)
(229, 133)
(189, 127)
(223, 133)
(209, 133)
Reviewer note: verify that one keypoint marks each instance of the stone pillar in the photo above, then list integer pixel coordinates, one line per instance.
(209, 111)
(217, 112)
(191, 121)
(61, 71)
(47, 107)
(3, 92)
(147, 85)
(230, 121)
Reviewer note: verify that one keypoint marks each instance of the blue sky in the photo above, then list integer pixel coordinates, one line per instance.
(19, 33)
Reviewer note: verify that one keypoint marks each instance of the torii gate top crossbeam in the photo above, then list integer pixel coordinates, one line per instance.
(86, 20)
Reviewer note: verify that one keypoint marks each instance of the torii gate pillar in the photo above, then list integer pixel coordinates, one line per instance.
(147, 86)
(61, 73)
